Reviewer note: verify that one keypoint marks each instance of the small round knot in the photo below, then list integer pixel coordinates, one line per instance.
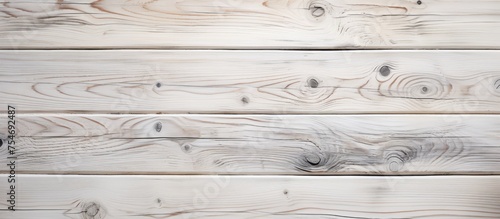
(158, 85)
(419, 2)
(317, 11)
(285, 192)
(497, 85)
(245, 100)
(395, 164)
(158, 126)
(397, 156)
(159, 202)
(313, 83)
(424, 90)
(313, 159)
(93, 210)
(385, 70)
(186, 147)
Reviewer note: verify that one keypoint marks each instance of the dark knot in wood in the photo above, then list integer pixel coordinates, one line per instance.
(313, 83)
(245, 100)
(93, 210)
(425, 89)
(186, 147)
(497, 85)
(317, 11)
(385, 71)
(158, 126)
(313, 159)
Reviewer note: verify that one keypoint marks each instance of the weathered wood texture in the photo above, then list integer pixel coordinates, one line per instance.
(195, 144)
(249, 24)
(251, 81)
(255, 197)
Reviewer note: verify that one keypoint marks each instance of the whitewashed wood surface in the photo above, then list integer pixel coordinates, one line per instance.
(256, 144)
(97, 197)
(251, 108)
(276, 82)
(250, 24)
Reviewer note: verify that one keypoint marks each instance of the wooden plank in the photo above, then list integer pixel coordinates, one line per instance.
(255, 144)
(272, 82)
(293, 24)
(254, 197)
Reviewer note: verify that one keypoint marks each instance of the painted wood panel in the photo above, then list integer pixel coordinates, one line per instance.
(278, 24)
(271, 82)
(255, 144)
(255, 197)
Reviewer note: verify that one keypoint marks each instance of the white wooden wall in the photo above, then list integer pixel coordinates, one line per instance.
(250, 108)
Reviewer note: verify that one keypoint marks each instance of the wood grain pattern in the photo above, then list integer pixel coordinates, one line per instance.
(272, 82)
(258, 144)
(249, 24)
(107, 197)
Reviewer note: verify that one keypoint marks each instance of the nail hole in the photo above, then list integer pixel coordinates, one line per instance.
(385, 70)
(313, 83)
(317, 11)
(158, 126)
(158, 85)
(419, 2)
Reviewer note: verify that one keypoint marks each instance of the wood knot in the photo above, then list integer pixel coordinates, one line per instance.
(395, 164)
(385, 70)
(397, 156)
(159, 202)
(424, 89)
(497, 85)
(313, 159)
(1, 142)
(317, 11)
(158, 85)
(93, 210)
(186, 147)
(313, 83)
(245, 100)
(158, 126)
(419, 2)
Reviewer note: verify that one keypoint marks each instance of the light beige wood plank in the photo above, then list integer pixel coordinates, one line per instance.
(249, 24)
(251, 81)
(255, 144)
(255, 197)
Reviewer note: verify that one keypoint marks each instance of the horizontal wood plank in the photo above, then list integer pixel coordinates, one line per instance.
(254, 197)
(249, 24)
(255, 144)
(271, 82)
